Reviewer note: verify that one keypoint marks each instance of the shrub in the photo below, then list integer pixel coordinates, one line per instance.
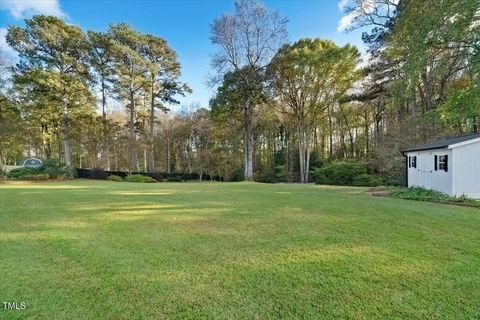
(268, 176)
(135, 178)
(418, 193)
(422, 194)
(148, 179)
(319, 176)
(394, 180)
(57, 170)
(339, 172)
(238, 175)
(37, 177)
(159, 176)
(173, 179)
(366, 180)
(21, 173)
(50, 169)
(115, 178)
(280, 173)
(139, 178)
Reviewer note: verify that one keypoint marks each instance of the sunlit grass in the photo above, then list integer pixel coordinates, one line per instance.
(126, 193)
(106, 250)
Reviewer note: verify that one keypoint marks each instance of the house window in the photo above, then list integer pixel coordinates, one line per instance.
(414, 161)
(443, 163)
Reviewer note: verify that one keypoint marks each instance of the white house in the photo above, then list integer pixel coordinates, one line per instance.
(451, 166)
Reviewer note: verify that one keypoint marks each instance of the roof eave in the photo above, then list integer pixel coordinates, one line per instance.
(424, 149)
(463, 143)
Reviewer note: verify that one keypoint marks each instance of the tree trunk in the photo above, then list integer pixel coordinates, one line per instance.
(352, 145)
(106, 147)
(378, 120)
(427, 91)
(66, 137)
(93, 159)
(189, 163)
(190, 158)
(350, 135)
(47, 143)
(104, 100)
(323, 146)
(115, 158)
(248, 145)
(132, 145)
(3, 160)
(303, 152)
(145, 159)
(151, 157)
(330, 133)
(307, 163)
(367, 133)
(168, 155)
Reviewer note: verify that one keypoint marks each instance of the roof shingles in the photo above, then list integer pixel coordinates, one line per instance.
(442, 144)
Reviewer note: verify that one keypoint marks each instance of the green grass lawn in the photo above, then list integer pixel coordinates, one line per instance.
(106, 250)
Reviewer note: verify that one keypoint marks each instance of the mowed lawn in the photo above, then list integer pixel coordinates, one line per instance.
(106, 250)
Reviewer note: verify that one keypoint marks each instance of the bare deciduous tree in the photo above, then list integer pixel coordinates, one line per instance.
(248, 39)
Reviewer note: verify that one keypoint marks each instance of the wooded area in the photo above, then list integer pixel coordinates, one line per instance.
(280, 110)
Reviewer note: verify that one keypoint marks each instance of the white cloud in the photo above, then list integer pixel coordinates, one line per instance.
(347, 21)
(343, 4)
(20, 9)
(358, 9)
(8, 57)
(3, 34)
(4, 47)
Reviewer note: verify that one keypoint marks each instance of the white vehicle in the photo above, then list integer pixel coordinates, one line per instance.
(32, 163)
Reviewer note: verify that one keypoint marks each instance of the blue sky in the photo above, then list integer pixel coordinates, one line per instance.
(185, 24)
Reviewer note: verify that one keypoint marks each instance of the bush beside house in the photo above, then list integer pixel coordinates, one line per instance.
(422, 194)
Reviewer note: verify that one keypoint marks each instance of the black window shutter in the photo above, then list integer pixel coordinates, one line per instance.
(415, 162)
(435, 162)
(446, 163)
(409, 161)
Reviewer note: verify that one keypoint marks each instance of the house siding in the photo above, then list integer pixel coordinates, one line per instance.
(466, 170)
(424, 175)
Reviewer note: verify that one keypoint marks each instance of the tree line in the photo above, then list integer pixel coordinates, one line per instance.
(60, 76)
(280, 108)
